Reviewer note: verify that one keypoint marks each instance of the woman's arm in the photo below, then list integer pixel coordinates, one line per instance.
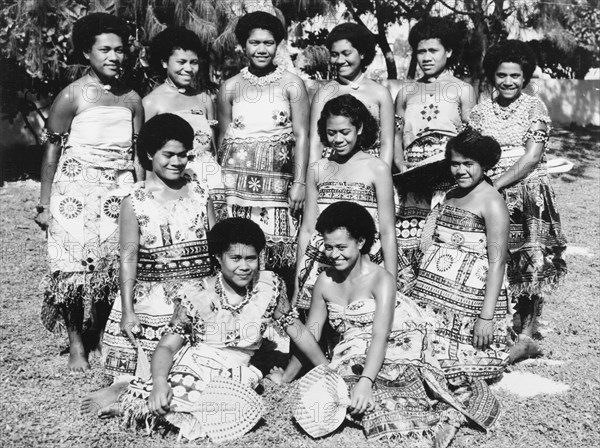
(224, 110)
(400, 107)
(59, 122)
(309, 219)
(210, 213)
(314, 323)
(300, 109)
(497, 223)
(387, 134)
(468, 99)
(207, 101)
(138, 120)
(162, 361)
(534, 148)
(385, 296)
(384, 192)
(129, 242)
(316, 147)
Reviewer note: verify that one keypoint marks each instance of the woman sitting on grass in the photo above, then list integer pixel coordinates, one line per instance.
(163, 229)
(395, 389)
(216, 328)
(462, 274)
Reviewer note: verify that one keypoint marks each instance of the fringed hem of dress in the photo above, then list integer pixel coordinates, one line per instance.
(77, 289)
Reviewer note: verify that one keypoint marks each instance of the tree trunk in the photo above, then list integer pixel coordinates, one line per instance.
(390, 63)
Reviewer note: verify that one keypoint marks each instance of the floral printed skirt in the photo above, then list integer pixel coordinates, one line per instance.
(536, 241)
(83, 237)
(257, 173)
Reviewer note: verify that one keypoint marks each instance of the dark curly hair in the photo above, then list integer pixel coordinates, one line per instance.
(348, 106)
(261, 20)
(351, 216)
(88, 27)
(470, 143)
(360, 37)
(159, 130)
(509, 51)
(439, 28)
(233, 231)
(170, 39)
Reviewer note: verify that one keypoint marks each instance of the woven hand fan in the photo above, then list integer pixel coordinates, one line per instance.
(321, 401)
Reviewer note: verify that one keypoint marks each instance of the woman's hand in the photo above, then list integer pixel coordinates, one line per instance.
(130, 326)
(276, 375)
(296, 197)
(160, 397)
(42, 219)
(361, 398)
(483, 333)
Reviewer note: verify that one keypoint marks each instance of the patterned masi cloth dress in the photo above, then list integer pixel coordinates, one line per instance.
(410, 391)
(173, 253)
(203, 163)
(219, 342)
(257, 156)
(451, 283)
(429, 124)
(314, 260)
(536, 242)
(94, 174)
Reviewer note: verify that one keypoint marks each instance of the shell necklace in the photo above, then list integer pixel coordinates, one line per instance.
(506, 112)
(171, 84)
(261, 81)
(225, 305)
(96, 79)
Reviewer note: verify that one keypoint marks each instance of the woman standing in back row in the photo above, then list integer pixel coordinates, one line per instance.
(429, 111)
(520, 123)
(351, 49)
(87, 170)
(263, 121)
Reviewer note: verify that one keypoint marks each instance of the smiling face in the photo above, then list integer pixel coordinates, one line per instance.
(432, 57)
(169, 161)
(346, 59)
(509, 80)
(261, 47)
(342, 249)
(467, 172)
(106, 55)
(182, 67)
(239, 264)
(342, 135)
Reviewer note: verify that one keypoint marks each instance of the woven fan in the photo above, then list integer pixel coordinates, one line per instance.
(321, 401)
(230, 409)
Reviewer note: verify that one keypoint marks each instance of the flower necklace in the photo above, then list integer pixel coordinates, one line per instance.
(225, 305)
(171, 84)
(506, 112)
(261, 81)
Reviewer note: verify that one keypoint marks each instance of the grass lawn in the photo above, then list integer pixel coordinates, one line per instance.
(40, 400)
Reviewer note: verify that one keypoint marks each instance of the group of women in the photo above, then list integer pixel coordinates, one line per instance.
(202, 249)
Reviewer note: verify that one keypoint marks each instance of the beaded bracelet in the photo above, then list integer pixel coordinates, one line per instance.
(288, 318)
(399, 122)
(364, 376)
(299, 182)
(55, 138)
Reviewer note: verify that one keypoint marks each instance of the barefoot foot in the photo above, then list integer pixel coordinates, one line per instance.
(78, 362)
(112, 410)
(96, 402)
(524, 348)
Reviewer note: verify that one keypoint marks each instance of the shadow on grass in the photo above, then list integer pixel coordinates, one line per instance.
(20, 162)
(578, 145)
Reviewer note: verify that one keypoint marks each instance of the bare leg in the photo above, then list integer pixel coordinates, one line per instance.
(104, 403)
(78, 354)
(526, 347)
